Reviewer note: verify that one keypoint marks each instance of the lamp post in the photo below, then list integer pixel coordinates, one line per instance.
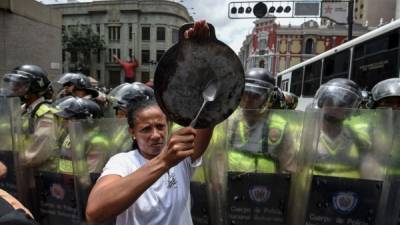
(350, 20)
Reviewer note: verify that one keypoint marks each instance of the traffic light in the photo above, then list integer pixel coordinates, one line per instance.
(276, 8)
(260, 9)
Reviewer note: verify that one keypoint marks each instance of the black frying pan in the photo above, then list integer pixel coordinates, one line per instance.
(183, 73)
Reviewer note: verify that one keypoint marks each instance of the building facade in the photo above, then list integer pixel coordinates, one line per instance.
(277, 48)
(143, 29)
(374, 13)
(30, 33)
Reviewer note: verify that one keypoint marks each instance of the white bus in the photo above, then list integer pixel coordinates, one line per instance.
(366, 60)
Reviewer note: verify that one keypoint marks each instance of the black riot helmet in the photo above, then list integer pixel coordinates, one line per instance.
(26, 79)
(259, 80)
(80, 82)
(339, 92)
(258, 92)
(77, 108)
(128, 93)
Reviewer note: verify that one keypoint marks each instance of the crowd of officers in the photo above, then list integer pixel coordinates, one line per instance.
(258, 141)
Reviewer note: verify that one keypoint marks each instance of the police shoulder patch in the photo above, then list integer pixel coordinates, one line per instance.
(274, 134)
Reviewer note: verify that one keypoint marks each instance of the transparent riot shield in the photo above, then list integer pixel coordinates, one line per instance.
(341, 175)
(202, 188)
(93, 143)
(10, 145)
(391, 214)
(260, 156)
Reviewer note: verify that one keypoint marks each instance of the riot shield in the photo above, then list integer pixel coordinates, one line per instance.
(260, 155)
(341, 177)
(10, 145)
(391, 214)
(94, 142)
(85, 146)
(205, 188)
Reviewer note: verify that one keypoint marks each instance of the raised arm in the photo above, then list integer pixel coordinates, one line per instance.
(118, 59)
(201, 141)
(117, 193)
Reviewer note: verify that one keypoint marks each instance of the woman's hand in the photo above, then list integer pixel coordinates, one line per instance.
(179, 146)
(3, 170)
(199, 30)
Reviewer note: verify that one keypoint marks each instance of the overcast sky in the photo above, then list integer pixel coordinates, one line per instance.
(230, 31)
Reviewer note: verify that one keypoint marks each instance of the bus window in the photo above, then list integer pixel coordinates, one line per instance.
(285, 85)
(311, 79)
(296, 81)
(336, 66)
(376, 60)
(279, 81)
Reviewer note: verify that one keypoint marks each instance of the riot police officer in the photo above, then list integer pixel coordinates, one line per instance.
(126, 93)
(259, 141)
(72, 108)
(386, 94)
(340, 145)
(30, 83)
(77, 84)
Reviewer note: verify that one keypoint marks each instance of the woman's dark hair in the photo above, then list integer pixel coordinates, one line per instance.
(135, 107)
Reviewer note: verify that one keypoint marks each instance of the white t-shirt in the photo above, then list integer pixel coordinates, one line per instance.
(166, 202)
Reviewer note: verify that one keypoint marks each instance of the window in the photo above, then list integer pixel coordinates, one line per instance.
(98, 54)
(309, 46)
(130, 53)
(175, 36)
(279, 81)
(145, 33)
(114, 33)
(262, 44)
(98, 75)
(145, 77)
(160, 53)
(285, 85)
(160, 33)
(130, 32)
(336, 66)
(74, 57)
(296, 81)
(379, 44)
(311, 79)
(261, 64)
(145, 56)
(111, 52)
(114, 78)
(376, 60)
(98, 28)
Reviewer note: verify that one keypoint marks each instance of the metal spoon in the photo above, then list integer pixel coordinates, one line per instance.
(209, 94)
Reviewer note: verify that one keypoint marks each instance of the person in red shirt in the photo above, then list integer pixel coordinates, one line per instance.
(129, 68)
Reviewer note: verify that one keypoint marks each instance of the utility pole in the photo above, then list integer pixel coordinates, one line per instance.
(350, 20)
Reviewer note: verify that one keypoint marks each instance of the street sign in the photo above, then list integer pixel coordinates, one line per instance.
(306, 9)
(335, 11)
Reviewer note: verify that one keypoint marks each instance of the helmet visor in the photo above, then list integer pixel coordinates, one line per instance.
(66, 78)
(335, 96)
(15, 85)
(386, 88)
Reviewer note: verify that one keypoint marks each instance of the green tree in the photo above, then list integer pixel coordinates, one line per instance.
(81, 41)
